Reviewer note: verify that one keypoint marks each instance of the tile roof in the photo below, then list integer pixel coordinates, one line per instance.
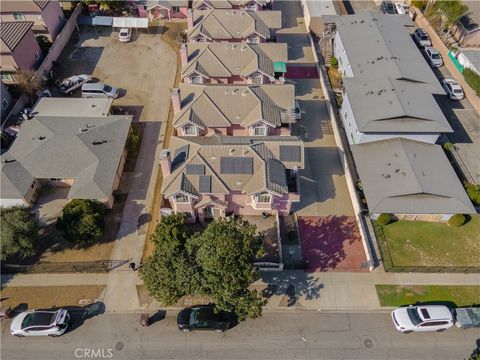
(402, 176)
(11, 33)
(264, 171)
(234, 24)
(45, 147)
(388, 105)
(231, 59)
(226, 4)
(227, 105)
(166, 4)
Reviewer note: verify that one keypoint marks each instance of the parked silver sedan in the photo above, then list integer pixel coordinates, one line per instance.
(40, 323)
(453, 89)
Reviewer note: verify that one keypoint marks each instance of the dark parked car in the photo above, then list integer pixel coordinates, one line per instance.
(203, 317)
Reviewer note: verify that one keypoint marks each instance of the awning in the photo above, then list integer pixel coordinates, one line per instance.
(97, 20)
(280, 67)
(126, 22)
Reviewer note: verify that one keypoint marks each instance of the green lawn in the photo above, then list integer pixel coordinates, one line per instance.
(397, 295)
(417, 243)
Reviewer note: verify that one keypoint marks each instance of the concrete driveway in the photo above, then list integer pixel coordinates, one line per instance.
(322, 182)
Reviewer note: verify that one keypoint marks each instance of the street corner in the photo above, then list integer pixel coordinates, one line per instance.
(332, 243)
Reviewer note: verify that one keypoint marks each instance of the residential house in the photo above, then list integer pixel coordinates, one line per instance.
(19, 50)
(47, 15)
(83, 152)
(233, 25)
(173, 9)
(389, 89)
(389, 108)
(243, 110)
(217, 176)
(233, 63)
(7, 102)
(467, 29)
(253, 5)
(411, 179)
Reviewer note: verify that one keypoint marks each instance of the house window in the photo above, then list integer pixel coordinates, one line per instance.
(259, 130)
(188, 215)
(208, 212)
(7, 76)
(251, 6)
(56, 179)
(197, 79)
(5, 104)
(254, 39)
(182, 198)
(265, 198)
(190, 130)
(18, 16)
(176, 9)
(37, 55)
(33, 184)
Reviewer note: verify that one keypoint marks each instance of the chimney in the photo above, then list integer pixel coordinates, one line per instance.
(176, 102)
(189, 19)
(183, 54)
(165, 162)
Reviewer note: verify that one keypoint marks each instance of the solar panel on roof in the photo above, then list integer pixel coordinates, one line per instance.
(236, 165)
(290, 153)
(181, 154)
(195, 169)
(205, 184)
(277, 172)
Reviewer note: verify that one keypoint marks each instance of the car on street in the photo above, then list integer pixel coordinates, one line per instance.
(203, 317)
(422, 318)
(453, 89)
(433, 56)
(388, 7)
(98, 89)
(421, 38)
(40, 323)
(72, 83)
(401, 9)
(125, 34)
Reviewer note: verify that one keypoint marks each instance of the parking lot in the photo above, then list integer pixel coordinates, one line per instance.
(143, 69)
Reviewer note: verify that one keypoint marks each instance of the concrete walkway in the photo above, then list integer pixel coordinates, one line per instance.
(320, 291)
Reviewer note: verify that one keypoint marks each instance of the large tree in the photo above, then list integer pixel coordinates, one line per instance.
(169, 273)
(29, 82)
(225, 253)
(449, 12)
(82, 221)
(19, 232)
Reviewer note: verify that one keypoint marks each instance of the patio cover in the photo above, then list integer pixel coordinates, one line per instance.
(127, 22)
(96, 21)
(280, 67)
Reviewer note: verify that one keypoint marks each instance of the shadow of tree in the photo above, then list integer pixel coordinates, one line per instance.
(292, 284)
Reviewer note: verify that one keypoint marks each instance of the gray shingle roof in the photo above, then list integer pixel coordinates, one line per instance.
(226, 105)
(63, 147)
(225, 4)
(262, 170)
(165, 3)
(403, 176)
(13, 32)
(388, 105)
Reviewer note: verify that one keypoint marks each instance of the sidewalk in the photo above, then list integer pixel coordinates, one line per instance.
(320, 291)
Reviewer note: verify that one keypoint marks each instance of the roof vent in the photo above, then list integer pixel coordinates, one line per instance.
(244, 47)
(234, 46)
(98, 142)
(231, 151)
(244, 92)
(244, 152)
(41, 138)
(239, 183)
(6, 161)
(82, 129)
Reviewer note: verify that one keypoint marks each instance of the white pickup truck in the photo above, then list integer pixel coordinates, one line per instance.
(73, 82)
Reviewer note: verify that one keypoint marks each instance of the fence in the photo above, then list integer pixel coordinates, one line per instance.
(99, 266)
(390, 266)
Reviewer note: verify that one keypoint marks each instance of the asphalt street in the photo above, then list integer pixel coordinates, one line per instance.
(296, 335)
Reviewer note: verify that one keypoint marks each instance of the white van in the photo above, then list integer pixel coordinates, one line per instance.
(91, 90)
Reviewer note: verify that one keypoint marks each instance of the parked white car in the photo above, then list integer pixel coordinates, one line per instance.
(401, 9)
(99, 89)
(72, 83)
(453, 89)
(433, 56)
(421, 38)
(40, 323)
(422, 318)
(125, 34)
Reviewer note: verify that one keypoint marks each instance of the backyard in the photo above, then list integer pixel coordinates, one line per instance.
(453, 295)
(427, 244)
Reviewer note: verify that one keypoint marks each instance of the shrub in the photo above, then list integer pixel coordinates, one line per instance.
(334, 62)
(473, 192)
(456, 220)
(419, 4)
(448, 146)
(19, 232)
(133, 141)
(473, 80)
(384, 219)
(82, 221)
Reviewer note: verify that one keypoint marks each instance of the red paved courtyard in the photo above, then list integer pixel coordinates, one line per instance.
(331, 243)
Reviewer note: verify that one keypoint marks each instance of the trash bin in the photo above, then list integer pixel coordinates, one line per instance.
(6, 313)
(144, 320)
